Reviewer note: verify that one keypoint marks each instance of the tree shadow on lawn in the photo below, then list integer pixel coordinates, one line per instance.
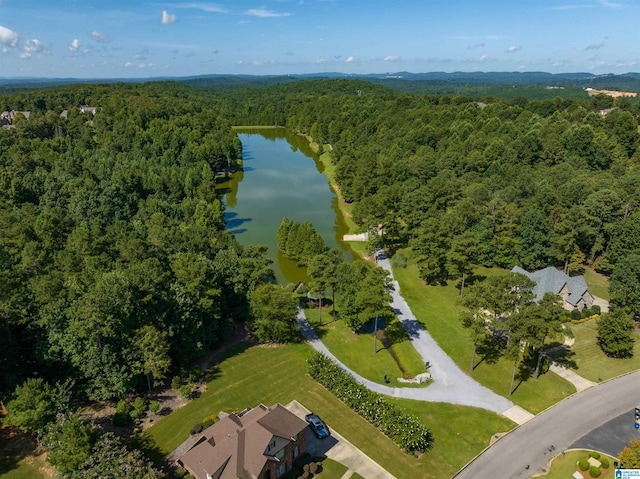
(564, 356)
(147, 444)
(14, 446)
(524, 373)
(490, 350)
(394, 331)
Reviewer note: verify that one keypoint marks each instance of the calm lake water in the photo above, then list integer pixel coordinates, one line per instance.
(281, 178)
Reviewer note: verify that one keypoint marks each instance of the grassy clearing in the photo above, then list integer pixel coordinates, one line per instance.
(26, 467)
(563, 467)
(588, 360)
(356, 350)
(278, 374)
(437, 308)
(597, 283)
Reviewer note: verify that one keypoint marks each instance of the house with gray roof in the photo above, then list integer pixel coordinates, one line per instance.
(261, 443)
(572, 289)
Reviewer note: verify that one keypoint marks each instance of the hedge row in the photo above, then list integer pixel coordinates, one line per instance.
(404, 429)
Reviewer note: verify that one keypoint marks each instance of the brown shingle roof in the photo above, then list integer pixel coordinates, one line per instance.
(239, 446)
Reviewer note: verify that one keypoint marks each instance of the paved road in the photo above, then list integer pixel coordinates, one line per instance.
(560, 426)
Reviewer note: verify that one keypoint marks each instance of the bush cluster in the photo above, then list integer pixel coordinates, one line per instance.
(583, 465)
(594, 471)
(604, 462)
(404, 429)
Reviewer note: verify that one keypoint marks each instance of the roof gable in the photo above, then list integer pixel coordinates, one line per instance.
(239, 445)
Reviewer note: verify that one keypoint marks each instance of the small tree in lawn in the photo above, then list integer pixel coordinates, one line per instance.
(273, 314)
(615, 334)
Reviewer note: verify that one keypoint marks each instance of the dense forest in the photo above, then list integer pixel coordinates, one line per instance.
(524, 182)
(114, 260)
(113, 235)
(113, 240)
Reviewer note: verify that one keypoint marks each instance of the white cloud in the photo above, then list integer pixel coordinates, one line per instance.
(351, 59)
(168, 18)
(74, 45)
(514, 48)
(100, 37)
(8, 38)
(128, 64)
(320, 61)
(483, 58)
(31, 47)
(206, 7)
(391, 58)
(262, 13)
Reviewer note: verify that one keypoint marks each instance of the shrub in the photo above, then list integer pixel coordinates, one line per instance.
(596, 309)
(208, 421)
(186, 391)
(586, 312)
(154, 406)
(123, 406)
(594, 471)
(583, 465)
(604, 462)
(399, 261)
(121, 419)
(136, 414)
(575, 315)
(404, 429)
(176, 382)
(197, 429)
(313, 467)
(139, 404)
(195, 374)
(594, 454)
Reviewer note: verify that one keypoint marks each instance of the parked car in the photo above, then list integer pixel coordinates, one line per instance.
(318, 426)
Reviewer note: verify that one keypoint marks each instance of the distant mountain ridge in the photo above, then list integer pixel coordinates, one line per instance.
(403, 81)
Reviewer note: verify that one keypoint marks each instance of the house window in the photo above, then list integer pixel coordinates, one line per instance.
(296, 452)
(281, 469)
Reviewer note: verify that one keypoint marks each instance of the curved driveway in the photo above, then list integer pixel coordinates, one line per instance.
(536, 442)
(449, 385)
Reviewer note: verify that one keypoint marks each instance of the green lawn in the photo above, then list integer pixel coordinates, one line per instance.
(356, 350)
(27, 467)
(437, 308)
(278, 374)
(563, 467)
(597, 283)
(588, 360)
(332, 469)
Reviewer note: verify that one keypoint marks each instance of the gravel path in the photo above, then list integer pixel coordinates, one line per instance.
(449, 385)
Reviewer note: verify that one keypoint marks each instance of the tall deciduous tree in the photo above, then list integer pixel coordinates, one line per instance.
(153, 353)
(273, 314)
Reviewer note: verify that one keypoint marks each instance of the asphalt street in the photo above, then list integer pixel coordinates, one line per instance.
(528, 450)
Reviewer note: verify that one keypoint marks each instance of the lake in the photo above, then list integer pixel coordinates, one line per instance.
(281, 177)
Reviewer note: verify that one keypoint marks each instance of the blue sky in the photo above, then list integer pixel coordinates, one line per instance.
(140, 38)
